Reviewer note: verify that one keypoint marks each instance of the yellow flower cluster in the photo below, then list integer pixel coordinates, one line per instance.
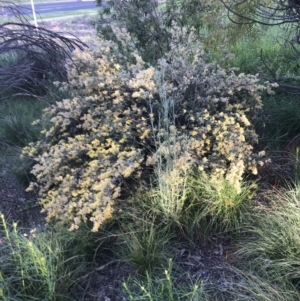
(214, 108)
(93, 145)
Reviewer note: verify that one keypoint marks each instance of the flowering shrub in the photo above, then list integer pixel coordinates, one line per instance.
(104, 139)
(95, 141)
(214, 108)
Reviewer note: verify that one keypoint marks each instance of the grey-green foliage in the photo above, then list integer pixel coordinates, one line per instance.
(149, 21)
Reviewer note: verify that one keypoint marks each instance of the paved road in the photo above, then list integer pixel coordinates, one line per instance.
(58, 7)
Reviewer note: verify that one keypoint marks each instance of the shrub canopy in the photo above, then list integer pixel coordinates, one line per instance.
(105, 139)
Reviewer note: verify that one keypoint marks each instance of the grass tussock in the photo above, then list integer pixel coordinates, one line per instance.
(34, 265)
(16, 118)
(271, 247)
(146, 248)
(221, 207)
(163, 287)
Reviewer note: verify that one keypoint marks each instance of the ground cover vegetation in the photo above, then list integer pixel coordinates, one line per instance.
(166, 161)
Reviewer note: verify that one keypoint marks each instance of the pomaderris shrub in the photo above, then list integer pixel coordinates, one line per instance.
(104, 139)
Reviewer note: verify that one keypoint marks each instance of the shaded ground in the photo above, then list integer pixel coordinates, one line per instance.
(15, 203)
(207, 264)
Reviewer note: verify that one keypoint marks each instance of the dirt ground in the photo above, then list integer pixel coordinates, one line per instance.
(16, 204)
